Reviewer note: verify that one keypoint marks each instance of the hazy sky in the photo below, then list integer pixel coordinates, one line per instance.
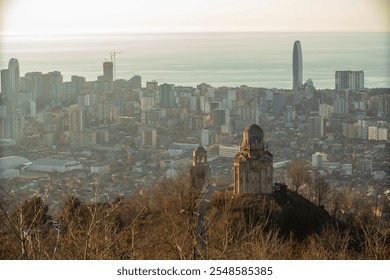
(47, 17)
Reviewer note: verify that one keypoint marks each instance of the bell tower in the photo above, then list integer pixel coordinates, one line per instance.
(200, 169)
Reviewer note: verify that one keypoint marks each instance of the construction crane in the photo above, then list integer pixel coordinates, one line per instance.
(113, 55)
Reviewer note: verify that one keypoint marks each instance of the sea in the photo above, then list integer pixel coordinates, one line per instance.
(218, 59)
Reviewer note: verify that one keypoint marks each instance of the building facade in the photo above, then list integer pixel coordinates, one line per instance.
(253, 165)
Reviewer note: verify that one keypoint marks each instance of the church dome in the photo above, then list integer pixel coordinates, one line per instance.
(253, 129)
(200, 150)
(253, 137)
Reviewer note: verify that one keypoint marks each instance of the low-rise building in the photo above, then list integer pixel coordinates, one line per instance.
(51, 165)
(100, 169)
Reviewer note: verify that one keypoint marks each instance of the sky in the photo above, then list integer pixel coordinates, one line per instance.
(73, 17)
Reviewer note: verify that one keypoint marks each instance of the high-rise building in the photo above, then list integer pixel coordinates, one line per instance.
(55, 81)
(278, 103)
(167, 94)
(317, 159)
(151, 86)
(297, 66)
(76, 119)
(315, 127)
(135, 82)
(386, 104)
(340, 106)
(220, 117)
(108, 71)
(33, 108)
(377, 133)
(5, 82)
(350, 130)
(325, 110)
(149, 137)
(14, 75)
(362, 128)
(382, 134)
(207, 136)
(10, 79)
(34, 83)
(352, 80)
(372, 133)
(79, 83)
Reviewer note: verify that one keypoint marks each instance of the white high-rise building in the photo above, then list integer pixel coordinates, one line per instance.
(377, 133)
(382, 134)
(325, 110)
(317, 159)
(372, 133)
(206, 137)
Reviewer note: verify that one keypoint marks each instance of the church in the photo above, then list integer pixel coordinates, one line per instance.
(253, 165)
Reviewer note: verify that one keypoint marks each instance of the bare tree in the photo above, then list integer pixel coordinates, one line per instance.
(160, 222)
(299, 173)
(376, 240)
(321, 189)
(25, 222)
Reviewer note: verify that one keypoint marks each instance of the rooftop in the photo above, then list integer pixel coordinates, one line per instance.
(12, 162)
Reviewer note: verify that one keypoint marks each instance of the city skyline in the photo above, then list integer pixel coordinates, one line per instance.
(220, 59)
(96, 17)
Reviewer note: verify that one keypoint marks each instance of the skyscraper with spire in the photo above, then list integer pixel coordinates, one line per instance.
(297, 66)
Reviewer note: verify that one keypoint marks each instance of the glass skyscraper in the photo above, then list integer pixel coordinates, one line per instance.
(297, 65)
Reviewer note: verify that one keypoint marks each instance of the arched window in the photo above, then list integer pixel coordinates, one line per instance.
(263, 180)
(236, 179)
(269, 174)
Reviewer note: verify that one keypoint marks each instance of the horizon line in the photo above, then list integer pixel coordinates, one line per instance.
(175, 32)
